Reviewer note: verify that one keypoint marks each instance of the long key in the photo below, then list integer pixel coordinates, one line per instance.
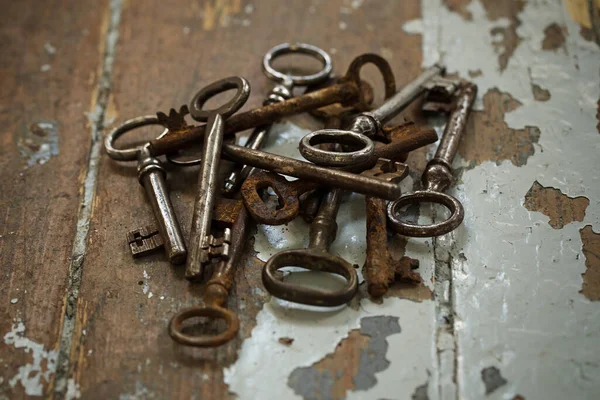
(438, 175)
(367, 124)
(281, 92)
(215, 293)
(200, 238)
(348, 91)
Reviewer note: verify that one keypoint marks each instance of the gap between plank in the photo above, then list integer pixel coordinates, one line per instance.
(80, 241)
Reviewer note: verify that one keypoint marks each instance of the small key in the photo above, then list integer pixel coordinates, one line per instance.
(200, 238)
(438, 175)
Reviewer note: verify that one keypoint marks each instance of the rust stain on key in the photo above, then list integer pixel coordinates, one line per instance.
(381, 269)
(348, 92)
(288, 193)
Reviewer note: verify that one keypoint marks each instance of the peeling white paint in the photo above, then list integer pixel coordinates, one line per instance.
(33, 375)
(73, 391)
(315, 335)
(146, 284)
(516, 296)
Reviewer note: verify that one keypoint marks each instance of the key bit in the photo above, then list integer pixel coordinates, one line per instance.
(144, 240)
(388, 170)
(440, 95)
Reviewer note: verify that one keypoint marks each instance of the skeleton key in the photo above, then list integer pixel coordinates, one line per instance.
(281, 92)
(217, 288)
(363, 126)
(200, 238)
(381, 269)
(348, 91)
(151, 176)
(438, 175)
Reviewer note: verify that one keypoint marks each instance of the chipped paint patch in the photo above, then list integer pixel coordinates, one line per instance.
(591, 250)
(459, 7)
(492, 379)
(32, 376)
(553, 203)
(73, 391)
(420, 392)
(317, 332)
(353, 364)
(141, 393)
(554, 37)
(38, 142)
(506, 38)
(489, 138)
(539, 93)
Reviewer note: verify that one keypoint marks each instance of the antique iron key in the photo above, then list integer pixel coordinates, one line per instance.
(438, 175)
(151, 176)
(200, 238)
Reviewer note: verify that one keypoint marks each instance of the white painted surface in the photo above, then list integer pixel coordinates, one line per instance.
(516, 297)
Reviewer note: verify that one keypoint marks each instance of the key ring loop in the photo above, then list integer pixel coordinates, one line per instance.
(297, 48)
(129, 125)
(220, 86)
(309, 150)
(215, 312)
(457, 214)
(314, 260)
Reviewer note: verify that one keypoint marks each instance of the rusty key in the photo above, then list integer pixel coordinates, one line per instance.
(281, 92)
(381, 269)
(348, 91)
(288, 194)
(216, 290)
(438, 175)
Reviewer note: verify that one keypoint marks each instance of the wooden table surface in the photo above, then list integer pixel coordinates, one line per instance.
(509, 307)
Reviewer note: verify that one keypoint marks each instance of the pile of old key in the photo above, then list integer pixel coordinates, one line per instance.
(355, 153)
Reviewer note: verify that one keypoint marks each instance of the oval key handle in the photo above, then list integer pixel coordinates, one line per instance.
(215, 295)
(457, 214)
(287, 192)
(297, 48)
(226, 110)
(315, 260)
(211, 312)
(127, 126)
(309, 150)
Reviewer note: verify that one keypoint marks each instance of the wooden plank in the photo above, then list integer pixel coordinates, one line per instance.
(165, 54)
(47, 73)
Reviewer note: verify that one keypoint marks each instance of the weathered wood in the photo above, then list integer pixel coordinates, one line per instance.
(48, 71)
(164, 55)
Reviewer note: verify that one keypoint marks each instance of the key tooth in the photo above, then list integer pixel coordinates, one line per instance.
(144, 240)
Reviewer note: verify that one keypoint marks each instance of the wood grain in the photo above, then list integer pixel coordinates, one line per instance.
(47, 73)
(165, 54)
